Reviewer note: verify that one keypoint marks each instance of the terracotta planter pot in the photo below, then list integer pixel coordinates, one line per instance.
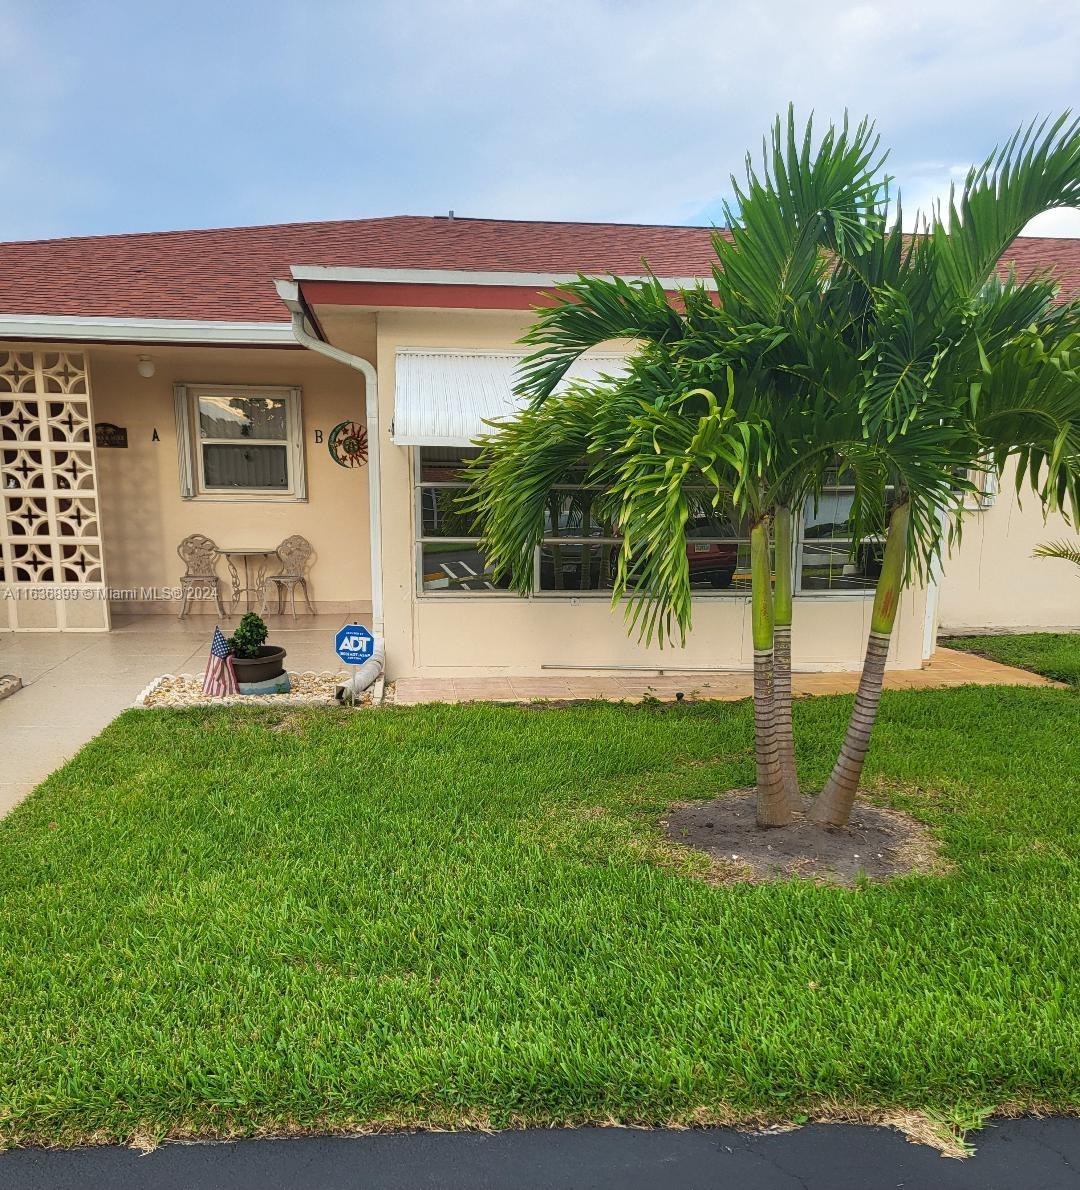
(266, 665)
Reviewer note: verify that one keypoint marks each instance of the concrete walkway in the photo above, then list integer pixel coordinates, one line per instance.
(948, 667)
(76, 683)
(1010, 1155)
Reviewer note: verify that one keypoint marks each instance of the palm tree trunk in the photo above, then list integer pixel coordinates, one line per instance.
(773, 808)
(833, 806)
(785, 740)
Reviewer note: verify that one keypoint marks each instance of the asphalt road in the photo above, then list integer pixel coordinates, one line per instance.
(1012, 1155)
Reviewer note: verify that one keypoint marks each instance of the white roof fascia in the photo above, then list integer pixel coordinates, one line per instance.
(470, 277)
(143, 330)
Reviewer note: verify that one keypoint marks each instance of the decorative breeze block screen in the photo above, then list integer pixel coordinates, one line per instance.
(50, 535)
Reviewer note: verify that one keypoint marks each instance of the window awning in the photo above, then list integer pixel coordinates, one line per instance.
(443, 398)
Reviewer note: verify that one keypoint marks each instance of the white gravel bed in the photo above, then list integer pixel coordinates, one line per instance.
(185, 690)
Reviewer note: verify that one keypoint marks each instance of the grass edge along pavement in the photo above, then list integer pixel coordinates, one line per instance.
(239, 922)
(1055, 655)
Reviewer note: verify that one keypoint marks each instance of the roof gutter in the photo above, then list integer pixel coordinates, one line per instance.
(289, 292)
(143, 330)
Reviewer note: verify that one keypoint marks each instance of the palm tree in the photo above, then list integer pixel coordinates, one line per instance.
(732, 351)
(950, 344)
(832, 342)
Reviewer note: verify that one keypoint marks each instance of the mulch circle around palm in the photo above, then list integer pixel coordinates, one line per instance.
(877, 844)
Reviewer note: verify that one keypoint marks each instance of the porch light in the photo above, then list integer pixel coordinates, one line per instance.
(145, 367)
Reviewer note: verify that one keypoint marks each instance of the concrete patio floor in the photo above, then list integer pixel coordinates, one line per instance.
(76, 683)
(947, 667)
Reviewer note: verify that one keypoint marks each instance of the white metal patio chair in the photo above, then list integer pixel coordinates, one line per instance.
(199, 555)
(295, 554)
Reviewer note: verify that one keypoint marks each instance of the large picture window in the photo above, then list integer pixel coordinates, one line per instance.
(579, 551)
(240, 441)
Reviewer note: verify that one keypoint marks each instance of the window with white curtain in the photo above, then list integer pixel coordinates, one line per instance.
(240, 441)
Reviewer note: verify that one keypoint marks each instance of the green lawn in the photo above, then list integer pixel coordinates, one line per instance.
(1054, 654)
(231, 921)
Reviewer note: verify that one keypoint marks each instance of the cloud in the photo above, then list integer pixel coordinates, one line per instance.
(573, 109)
(1055, 223)
(595, 110)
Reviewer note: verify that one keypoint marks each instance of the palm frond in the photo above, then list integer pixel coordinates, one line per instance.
(1005, 305)
(1028, 409)
(903, 362)
(519, 464)
(1067, 551)
(1036, 170)
(673, 457)
(586, 312)
(801, 203)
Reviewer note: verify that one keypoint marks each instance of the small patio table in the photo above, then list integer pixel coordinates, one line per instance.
(254, 562)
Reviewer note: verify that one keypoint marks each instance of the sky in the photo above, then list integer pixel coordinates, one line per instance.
(138, 115)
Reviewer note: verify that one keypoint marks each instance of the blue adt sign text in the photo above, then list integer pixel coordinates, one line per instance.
(354, 644)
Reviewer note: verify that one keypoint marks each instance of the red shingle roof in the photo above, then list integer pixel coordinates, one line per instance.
(1040, 254)
(227, 274)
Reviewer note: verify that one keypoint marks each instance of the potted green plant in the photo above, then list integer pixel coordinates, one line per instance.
(253, 659)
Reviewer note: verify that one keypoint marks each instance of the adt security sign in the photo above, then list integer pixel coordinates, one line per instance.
(354, 644)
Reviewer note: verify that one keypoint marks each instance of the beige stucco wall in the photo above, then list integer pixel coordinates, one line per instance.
(441, 634)
(143, 513)
(991, 581)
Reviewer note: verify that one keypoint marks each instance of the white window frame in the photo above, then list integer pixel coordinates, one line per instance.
(189, 443)
(420, 486)
(986, 484)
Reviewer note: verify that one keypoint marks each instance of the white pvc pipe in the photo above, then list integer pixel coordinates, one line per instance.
(663, 670)
(289, 293)
(365, 675)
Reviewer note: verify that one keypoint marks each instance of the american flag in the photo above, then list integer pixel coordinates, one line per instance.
(220, 677)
